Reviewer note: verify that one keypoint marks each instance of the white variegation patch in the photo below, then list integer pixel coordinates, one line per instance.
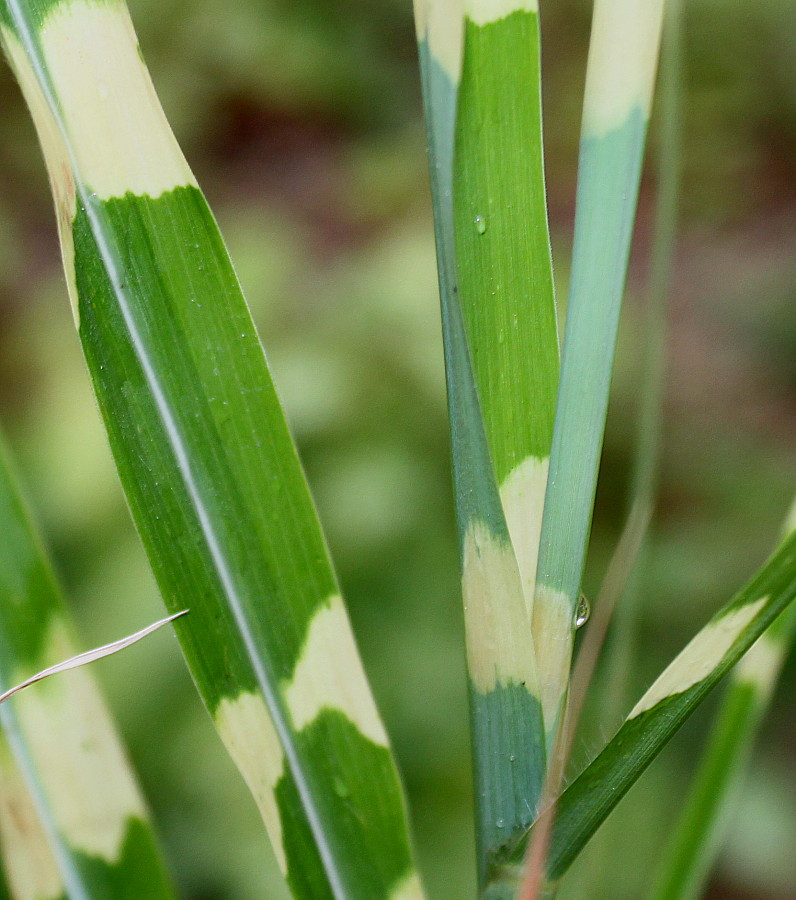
(484, 12)
(28, 863)
(440, 23)
(78, 757)
(408, 889)
(700, 657)
(499, 643)
(118, 132)
(248, 734)
(56, 157)
(522, 496)
(761, 664)
(623, 57)
(329, 675)
(552, 631)
(790, 521)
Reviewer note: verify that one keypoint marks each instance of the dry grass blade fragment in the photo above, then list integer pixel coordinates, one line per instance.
(88, 656)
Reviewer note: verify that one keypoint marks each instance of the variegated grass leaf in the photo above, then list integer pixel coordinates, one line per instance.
(72, 819)
(619, 85)
(205, 457)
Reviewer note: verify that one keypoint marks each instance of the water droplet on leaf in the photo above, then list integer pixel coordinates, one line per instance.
(480, 224)
(582, 611)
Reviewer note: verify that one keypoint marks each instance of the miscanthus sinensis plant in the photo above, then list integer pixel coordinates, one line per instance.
(222, 507)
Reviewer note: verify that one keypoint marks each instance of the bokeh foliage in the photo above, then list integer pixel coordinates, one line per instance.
(302, 122)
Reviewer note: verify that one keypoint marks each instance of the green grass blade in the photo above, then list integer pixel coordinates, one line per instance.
(503, 264)
(678, 691)
(696, 839)
(205, 457)
(619, 81)
(507, 728)
(59, 749)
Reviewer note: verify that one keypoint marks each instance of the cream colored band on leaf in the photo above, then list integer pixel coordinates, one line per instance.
(118, 132)
(761, 664)
(56, 157)
(623, 57)
(440, 23)
(790, 521)
(522, 496)
(329, 675)
(247, 731)
(700, 657)
(28, 863)
(408, 888)
(552, 638)
(78, 757)
(484, 12)
(499, 642)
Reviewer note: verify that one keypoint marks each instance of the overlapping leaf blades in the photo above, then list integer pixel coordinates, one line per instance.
(619, 83)
(480, 68)
(695, 840)
(682, 686)
(72, 821)
(206, 460)
(477, 189)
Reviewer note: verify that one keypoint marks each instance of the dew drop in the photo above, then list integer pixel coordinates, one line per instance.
(480, 224)
(501, 823)
(582, 611)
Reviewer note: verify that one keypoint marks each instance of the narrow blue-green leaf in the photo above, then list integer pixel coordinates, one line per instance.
(682, 686)
(205, 457)
(508, 750)
(620, 77)
(56, 736)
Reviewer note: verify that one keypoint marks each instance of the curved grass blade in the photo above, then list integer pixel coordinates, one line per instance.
(619, 82)
(695, 841)
(62, 768)
(205, 457)
(677, 692)
(507, 729)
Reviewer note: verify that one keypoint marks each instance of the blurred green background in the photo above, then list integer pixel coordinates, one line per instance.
(302, 121)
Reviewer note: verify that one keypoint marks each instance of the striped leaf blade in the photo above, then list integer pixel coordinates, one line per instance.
(696, 839)
(504, 274)
(62, 768)
(677, 692)
(507, 728)
(205, 457)
(620, 76)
